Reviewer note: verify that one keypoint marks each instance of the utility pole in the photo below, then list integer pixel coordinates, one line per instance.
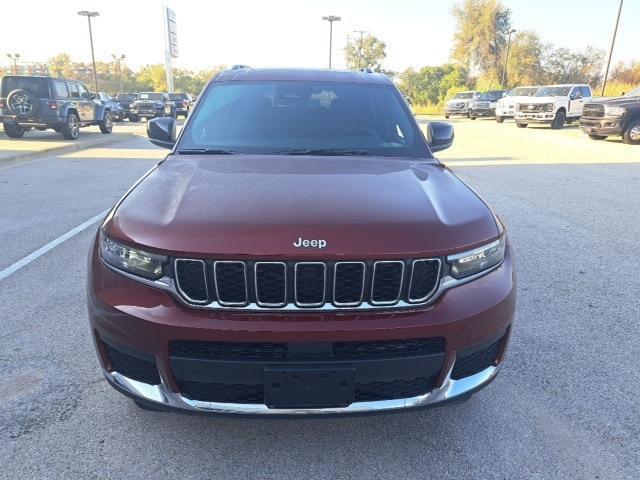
(361, 32)
(331, 19)
(613, 42)
(85, 13)
(506, 60)
(15, 58)
(118, 60)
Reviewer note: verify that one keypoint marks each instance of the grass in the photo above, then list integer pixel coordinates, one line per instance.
(427, 109)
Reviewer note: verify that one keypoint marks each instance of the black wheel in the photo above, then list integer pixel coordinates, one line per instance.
(145, 406)
(631, 134)
(71, 128)
(12, 130)
(521, 125)
(133, 118)
(499, 119)
(22, 103)
(445, 116)
(559, 120)
(106, 125)
(472, 118)
(597, 137)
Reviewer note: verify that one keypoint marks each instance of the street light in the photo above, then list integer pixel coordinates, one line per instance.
(86, 13)
(15, 57)
(331, 19)
(613, 42)
(118, 60)
(506, 60)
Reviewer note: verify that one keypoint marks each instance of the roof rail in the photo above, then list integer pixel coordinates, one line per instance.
(239, 67)
(366, 70)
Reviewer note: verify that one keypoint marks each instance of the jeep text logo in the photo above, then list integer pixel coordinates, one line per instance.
(303, 243)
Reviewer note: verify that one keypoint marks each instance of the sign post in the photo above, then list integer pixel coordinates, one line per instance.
(171, 44)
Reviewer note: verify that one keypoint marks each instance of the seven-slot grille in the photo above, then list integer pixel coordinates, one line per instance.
(594, 110)
(531, 107)
(306, 285)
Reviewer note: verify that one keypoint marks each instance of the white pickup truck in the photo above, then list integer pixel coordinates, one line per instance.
(506, 107)
(554, 105)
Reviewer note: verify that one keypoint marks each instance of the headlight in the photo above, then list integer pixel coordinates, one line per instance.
(477, 260)
(131, 260)
(548, 107)
(131, 105)
(614, 111)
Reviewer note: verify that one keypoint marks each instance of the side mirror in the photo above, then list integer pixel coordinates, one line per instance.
(162, 131)
(439, 136)
(92, 96)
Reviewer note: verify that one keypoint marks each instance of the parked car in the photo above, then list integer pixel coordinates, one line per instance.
(554, 105)
(459, 104)
(324, 263)
(618, 116)
(484, 105)
(126, 101)
(117, 113)
(42, 102)
(506, 106)
(181, 103)
(151, 105)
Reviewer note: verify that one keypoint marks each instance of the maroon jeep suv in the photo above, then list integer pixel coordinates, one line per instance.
(300, 251)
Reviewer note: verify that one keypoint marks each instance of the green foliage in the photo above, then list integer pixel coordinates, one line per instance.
(368, 53)
(429, 85)
(525, 60)
(561, 65)
(481, 34)
(626, 74)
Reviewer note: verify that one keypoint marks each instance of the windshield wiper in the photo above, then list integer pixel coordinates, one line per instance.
(206, 151)
(323, 151)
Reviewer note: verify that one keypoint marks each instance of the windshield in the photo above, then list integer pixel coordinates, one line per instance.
(633, 93)
(523, 91)
(553, 92)
(178, 96)
(37, 85)
(149, 96)
(463, 95)
(286, 117)
(493, 95)
(126, 97)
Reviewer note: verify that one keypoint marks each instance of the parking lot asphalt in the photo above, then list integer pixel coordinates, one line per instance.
(565, 405)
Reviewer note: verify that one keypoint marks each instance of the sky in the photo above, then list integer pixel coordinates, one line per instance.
(291, 33)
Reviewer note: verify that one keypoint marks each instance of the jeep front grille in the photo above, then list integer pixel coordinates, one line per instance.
(308, 285)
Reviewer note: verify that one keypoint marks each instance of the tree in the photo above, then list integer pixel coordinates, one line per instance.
(564, 66)
(153, 77)
(369, 52)
(481, 34)
(430, 85)
(627, 74)
(524, 66)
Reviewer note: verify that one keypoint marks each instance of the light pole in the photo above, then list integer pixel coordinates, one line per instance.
(613, 41)
(331, 19)
(118, 60)
(15, 57)
(85, 13)
(506, 60)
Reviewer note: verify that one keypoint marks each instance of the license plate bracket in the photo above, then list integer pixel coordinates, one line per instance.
(308, 386)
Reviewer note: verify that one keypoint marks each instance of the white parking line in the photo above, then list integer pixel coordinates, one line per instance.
(52, 244)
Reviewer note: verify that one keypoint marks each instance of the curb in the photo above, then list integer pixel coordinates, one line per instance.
(67, 148)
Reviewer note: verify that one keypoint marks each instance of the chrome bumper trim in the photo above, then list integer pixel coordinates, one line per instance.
(161, 394)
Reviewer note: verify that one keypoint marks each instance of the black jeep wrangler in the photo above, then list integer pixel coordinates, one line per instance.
(152, 105)
(619, 116)
(40, 102)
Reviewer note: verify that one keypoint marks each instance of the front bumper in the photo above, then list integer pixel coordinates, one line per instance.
(482, 112)
(542, 117)
(457, 111)
(602, 126)
(146, 112)
(143, 319)
(505, 112)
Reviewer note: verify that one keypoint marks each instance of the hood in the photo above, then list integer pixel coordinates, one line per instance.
(260, 205)
(543, 99)
(515, 99)
(459, 100)
(618, 101)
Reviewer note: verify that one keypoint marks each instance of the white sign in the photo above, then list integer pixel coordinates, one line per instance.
(172, 33)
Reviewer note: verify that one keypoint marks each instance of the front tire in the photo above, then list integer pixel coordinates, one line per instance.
(521, 125)
(597, 137)
(71, 127)
(499, 119)
(106, 125)
(559, 120)
(12, 130)
(133, 118)
(631, 134)
(446, 116)
(473, 118)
